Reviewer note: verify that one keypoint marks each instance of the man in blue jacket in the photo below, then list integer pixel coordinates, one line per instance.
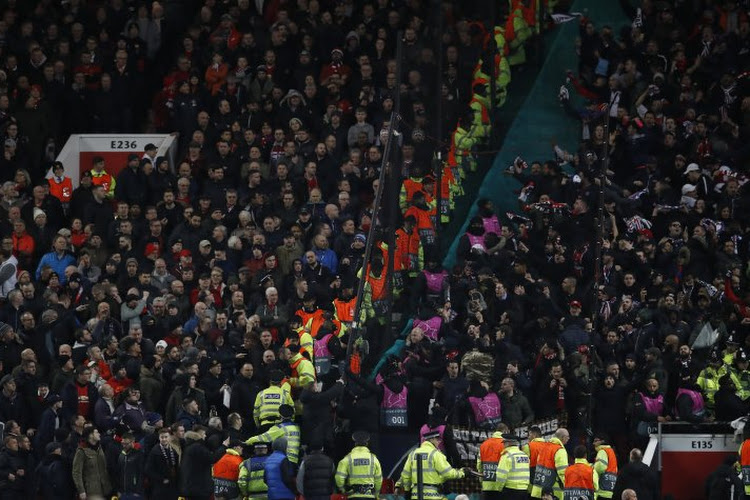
(58, 259)
(279, 473)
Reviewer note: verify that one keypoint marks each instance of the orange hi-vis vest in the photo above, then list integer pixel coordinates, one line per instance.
(579, 481)
(345, 310)
(745, 465)
(225, 473)
(446, 182)
(545, 475)
(407, 251)
(529, 12)
(424, 221)
(103, 179)
(535, 448)
(411, 186)
(63, 191)
(377, 284)
(489, 456)
(228, 467)
(608, 479)
(313, 320)
(510, 29)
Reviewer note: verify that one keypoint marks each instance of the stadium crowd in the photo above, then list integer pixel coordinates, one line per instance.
(184, 329)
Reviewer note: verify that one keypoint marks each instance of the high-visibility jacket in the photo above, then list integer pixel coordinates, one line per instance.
(551, 463)
(250, 481)
(425, 227)
(487, 461)
(287, 429)
(513, 471)
(62, 190)
(728, 358)
(305, 341)
(358, 475)
(409, 252)
(378, 285)
(344, 313)
(708, 381)
(529, 13)
(532, 449)
(502, 71)
(303, 371)
(498, 33)
(102, 178)
(311, 320)
(479, 106)
(605, 466)
(745, 464)
(267, 402)
(225, 473)
(408, 188)
(465, 140)
(741, 381)
(435, 471)
(581, 481)
(517, 32)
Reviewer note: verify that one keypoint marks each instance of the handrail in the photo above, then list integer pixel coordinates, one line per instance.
(384, 163)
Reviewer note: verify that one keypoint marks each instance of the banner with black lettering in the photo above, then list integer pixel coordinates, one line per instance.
(468, 440)
(467, 443)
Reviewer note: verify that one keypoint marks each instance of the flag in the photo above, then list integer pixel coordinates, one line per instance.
(637, 223)
(637, 195)
(565, 18)
(638, 21)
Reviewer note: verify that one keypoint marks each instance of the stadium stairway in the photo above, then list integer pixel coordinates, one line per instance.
(530, 120)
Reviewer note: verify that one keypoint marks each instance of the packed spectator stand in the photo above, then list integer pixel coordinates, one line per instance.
(146, 314)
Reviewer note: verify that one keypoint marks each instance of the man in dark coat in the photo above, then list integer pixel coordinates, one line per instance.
(195, 470)
(51, 420)
(315, 475)
(162, 468)
(12, 405)
(316, 419)
(131, 183)
(638, 477)
(729, 406)
(244, 391)
(129, 467)
(13, 470)
(54, 479)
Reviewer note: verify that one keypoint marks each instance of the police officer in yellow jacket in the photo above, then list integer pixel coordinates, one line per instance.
(435, 469)
(286, 428)
(358, 474)
(268, 401)
(251, 480)
(513, 473)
